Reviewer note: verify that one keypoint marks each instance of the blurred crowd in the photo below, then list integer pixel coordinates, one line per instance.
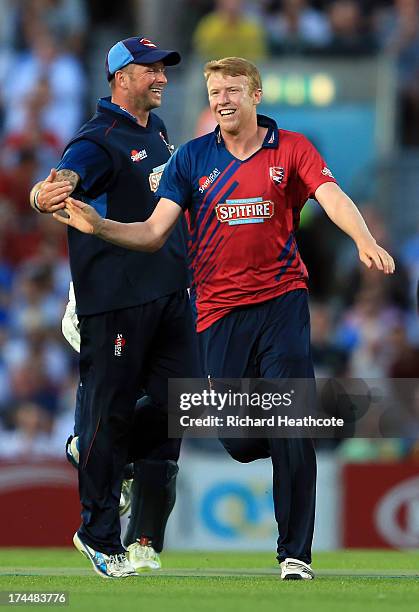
(340, 28)
(363, 324)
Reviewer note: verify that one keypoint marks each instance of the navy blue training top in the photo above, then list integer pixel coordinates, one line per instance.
(120, 164)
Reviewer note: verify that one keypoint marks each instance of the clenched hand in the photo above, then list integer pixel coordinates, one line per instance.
(53, 192)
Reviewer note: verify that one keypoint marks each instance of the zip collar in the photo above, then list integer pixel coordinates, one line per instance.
(105, 105)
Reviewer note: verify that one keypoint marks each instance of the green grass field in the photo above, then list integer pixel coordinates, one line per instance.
(361, 581)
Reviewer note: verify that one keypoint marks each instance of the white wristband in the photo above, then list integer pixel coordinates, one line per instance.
(36, 204)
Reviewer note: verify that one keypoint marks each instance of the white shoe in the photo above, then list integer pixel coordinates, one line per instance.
(294, 569)
(107, 566)
(143, 558)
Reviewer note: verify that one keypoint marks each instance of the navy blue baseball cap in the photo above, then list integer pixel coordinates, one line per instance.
(137, 50)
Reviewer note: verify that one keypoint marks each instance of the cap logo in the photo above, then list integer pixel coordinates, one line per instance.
(147, 43)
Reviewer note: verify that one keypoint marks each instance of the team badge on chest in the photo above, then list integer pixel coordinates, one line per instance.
(154, 178)
(277, 174)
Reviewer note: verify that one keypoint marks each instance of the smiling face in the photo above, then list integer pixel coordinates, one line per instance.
(232, 103)
(143, 85)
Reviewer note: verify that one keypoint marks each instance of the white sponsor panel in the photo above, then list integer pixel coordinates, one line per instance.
(402, 499)
(327, 530)
(225, 505)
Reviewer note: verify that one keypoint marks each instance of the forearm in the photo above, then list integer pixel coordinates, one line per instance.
(149, 235)
(343, 212)
(139, 236)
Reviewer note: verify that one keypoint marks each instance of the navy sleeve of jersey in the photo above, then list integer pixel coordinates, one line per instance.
(175, 184)
(91, 162)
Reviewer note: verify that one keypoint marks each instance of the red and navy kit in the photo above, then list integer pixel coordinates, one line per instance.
(243, 215)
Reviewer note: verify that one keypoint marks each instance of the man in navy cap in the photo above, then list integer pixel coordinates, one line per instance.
(135, 320)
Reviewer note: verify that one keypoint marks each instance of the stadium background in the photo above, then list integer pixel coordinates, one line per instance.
(343, 72)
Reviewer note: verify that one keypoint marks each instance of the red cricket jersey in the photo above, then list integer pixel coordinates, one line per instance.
(242, 216)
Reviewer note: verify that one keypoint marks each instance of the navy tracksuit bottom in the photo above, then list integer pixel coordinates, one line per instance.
(125, 353)
(272, 340)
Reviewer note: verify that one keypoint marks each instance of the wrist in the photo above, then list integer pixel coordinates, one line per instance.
(99, 229)
(36, 203)
(365, 241)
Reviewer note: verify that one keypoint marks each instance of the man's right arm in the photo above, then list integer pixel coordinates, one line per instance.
(84, 166)
(49, 195)
(149, 235)
(175, 190)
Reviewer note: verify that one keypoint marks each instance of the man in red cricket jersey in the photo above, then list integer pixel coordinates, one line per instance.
(243, 187)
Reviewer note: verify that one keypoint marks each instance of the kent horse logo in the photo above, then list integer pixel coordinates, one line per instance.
(277, 174)
(327, 172)
(147, 43)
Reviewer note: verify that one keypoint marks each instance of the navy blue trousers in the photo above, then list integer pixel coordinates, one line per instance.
(124, 353)
(149, 425)
(272, 340)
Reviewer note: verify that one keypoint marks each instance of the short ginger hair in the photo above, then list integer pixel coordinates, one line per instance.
(235, 66)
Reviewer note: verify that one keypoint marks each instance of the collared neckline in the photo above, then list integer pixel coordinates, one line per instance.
(106, 104)
(271, 140)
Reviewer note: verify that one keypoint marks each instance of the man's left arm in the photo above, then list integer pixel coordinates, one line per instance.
(342, 211)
